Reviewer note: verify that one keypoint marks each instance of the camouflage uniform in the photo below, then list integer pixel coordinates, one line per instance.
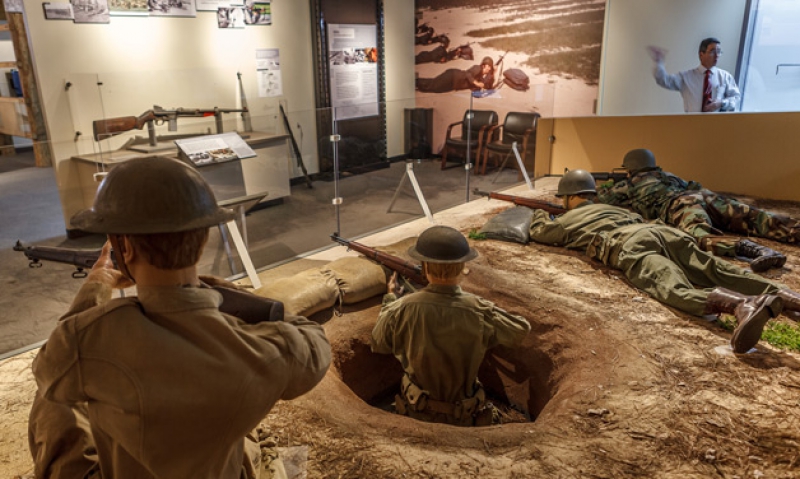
(656, 194)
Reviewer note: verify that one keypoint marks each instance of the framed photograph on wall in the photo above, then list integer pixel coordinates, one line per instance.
(57, 11)
(13, 6)
(214, 5)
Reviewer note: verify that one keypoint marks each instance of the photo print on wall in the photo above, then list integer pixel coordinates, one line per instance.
(90, 11)
(58, 11)
(230, 17)
(172, 8)
(128, 7)
(258, 12)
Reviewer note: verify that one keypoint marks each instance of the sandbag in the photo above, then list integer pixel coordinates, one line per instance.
(512, 225)
(305, 293)
(358, 278)
(516, 79)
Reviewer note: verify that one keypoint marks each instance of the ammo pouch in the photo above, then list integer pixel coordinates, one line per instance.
(416, 402)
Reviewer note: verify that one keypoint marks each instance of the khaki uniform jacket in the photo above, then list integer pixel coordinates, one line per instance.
(172, 384)
(440, 334)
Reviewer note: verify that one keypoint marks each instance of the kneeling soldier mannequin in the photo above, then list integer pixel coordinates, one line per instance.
(163, 384)
(440, 335)
(662, 261)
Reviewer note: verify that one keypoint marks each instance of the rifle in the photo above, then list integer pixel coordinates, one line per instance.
(617, 174)
(246, 306)
(521, 201)
(295, 148)
(248, 126)
(157, 116)
(408, 270)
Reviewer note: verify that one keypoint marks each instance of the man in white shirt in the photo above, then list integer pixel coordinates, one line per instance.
(705, 88)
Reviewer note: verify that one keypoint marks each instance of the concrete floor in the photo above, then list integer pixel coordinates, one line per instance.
(31, 300)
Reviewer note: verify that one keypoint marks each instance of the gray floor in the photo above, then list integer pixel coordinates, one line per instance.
(31, 300)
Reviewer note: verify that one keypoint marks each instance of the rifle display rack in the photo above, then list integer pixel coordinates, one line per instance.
(409, 175)
(519, 162)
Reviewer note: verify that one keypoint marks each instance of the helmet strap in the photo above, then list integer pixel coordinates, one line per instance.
(118, 250)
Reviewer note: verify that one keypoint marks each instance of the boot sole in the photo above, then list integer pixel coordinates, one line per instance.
(748, 333)
(759, 265)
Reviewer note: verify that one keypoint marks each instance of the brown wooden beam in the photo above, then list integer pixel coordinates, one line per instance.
(42, 149)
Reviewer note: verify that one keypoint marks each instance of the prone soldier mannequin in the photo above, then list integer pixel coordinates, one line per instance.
(440, 335)
(163, 384)
(656, 194)
(662, 261)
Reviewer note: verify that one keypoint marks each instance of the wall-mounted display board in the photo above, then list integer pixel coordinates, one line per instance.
(353, 60)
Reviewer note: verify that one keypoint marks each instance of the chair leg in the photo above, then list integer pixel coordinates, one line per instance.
(486, 154)
(444, 155)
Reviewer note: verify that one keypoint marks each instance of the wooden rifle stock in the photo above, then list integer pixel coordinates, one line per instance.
(114, 126)
(521, 201)
(404, 268)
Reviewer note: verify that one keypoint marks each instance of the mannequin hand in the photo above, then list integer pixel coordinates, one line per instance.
(103, 271)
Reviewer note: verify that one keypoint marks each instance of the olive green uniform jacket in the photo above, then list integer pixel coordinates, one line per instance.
(172, 384)
(440, 335)
(658, 259)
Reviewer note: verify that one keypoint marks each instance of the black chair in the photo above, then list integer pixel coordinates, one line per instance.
(518, 127)
(477, 126)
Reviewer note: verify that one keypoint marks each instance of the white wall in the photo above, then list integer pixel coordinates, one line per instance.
(399, 51)
(626, 77)
(173, 62)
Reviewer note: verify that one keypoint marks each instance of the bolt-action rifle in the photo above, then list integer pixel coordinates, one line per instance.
(522, 201)
(245, 305)
(410, 271)
(157, 116)
(617, 174)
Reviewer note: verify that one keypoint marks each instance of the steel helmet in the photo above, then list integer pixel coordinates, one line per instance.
(639, 159)
(442, 244)
(152, 195)
(576, 182)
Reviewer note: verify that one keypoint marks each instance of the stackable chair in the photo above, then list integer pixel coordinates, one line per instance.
(518, 127)
(481, 122)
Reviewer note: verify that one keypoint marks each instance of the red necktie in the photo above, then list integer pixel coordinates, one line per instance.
(706, 89)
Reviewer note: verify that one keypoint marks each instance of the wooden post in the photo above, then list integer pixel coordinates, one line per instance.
(42, 149)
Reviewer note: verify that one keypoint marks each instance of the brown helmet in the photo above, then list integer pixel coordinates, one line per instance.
(442, 244)
(152, 195)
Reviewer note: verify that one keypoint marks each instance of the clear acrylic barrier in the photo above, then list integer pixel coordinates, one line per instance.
(360, 184)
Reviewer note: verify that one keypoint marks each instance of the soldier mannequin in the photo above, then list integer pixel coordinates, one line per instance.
(656, 194)
(662, 261)
(162, 384)
(440, 335)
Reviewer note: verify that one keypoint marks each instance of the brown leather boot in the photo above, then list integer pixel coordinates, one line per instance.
(763, 258)
(791, 299)
(751, 312)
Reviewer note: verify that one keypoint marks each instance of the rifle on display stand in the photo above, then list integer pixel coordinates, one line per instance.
(295, 148)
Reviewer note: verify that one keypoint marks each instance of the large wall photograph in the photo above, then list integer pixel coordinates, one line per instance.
(538, 56)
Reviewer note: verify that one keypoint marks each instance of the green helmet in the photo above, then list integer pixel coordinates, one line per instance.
(576, 182)
(152, 195)
(639, 159)
(442, 244)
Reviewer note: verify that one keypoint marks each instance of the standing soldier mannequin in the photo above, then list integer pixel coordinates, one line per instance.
(656, 194)
(440, 335)
(662, 261)
(163, 384)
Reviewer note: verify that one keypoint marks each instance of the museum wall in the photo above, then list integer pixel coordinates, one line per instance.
(627, 86)
(167, 61)
(399, 51)
(743, 153)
